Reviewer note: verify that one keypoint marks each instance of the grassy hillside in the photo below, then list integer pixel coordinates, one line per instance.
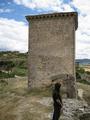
(17, 102)
(13, 64)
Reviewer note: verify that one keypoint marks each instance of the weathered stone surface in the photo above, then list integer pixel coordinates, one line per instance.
(51, 47)
(72, 109)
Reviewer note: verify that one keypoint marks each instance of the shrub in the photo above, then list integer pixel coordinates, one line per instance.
(6, 75)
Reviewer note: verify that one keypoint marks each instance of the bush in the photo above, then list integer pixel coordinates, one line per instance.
(3, 82)
(88, 72)
(84, 81)
(6, 75)
(78, 75)
(22, 64)
(20, 72)
(79, 72)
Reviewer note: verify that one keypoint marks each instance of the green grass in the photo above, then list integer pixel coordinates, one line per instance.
(86, 89)
(20, 71)
(15, 62)
(84, 81)
(17, 71)
(6, 75)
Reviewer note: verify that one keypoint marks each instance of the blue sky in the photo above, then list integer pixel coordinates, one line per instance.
(14, 27)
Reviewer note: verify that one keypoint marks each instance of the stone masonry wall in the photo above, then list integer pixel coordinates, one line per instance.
(51, 49)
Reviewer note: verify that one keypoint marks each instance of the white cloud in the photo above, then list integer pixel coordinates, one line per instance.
(83, 6)
(13, 35)
(39, 4)
(46, 5)
(5, 10)
(83, 32)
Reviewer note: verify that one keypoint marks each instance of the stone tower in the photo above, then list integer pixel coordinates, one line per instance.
(51, 47)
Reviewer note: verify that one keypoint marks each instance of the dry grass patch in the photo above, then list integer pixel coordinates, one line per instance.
(19, 103)
(86, 89)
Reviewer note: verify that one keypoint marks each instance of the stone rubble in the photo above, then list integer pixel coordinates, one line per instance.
(72, 108)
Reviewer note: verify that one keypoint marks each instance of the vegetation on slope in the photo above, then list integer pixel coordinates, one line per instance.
(17, 102)
(82, 76)
(13, 64)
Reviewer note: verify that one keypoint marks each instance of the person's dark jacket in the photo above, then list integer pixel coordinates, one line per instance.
(57, 99)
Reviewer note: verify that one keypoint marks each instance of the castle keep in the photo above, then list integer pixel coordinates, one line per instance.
(52, 48)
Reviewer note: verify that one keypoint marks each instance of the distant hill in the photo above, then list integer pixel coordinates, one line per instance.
(83, 61)
(17, 56)
(12, 55)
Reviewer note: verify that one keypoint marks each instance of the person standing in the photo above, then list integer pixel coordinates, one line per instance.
(57, 102)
